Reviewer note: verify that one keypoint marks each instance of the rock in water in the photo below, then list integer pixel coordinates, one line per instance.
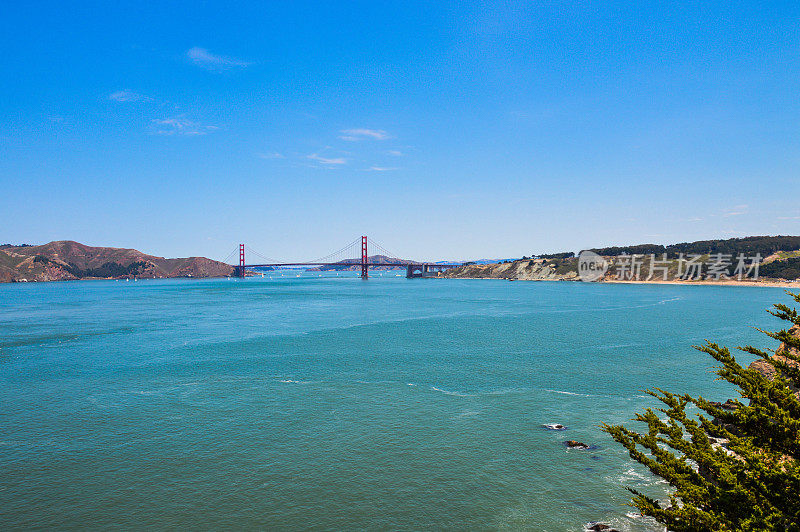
(600, 526)
(572, 444)
(554, 426)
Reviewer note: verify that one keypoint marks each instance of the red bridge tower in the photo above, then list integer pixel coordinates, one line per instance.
(364, 258)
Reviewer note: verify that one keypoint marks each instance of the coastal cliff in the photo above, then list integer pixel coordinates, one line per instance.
(67, 260)
(711, 261)
(774, 269)
(523, 270)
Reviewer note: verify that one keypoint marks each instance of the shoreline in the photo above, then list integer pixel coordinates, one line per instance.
(34, 281)
(763, 284)
(771, 284)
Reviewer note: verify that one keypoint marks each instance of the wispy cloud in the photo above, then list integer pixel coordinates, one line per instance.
(380, 169)
(363, 134)
(736, 211)
(326, 160)
(126, 95)
(216, 63)
(395, 153)
(179, 125)
(272, 155)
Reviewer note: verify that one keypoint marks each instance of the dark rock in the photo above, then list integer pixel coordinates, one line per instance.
(600, 526)
(572, 444)
(554, 426)
(729, 405)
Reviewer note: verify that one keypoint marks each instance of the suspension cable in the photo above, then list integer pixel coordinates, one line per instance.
(327, 258)
(385, 251)
(230, 255)
(262, 256)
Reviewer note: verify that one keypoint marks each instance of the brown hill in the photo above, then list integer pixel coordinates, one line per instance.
(355, 264)
(67, 260)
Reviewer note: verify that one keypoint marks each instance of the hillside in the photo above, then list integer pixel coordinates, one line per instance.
(67, 260)
(523, 270)
(780, 256)
(765, 245)
(355, 264)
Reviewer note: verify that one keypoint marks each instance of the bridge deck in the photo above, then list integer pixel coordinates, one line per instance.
(349, 264)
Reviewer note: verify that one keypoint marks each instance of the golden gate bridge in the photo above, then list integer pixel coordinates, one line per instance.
(346, 257)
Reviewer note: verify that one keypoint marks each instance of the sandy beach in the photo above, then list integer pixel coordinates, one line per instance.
(730, 282)
(759, 283)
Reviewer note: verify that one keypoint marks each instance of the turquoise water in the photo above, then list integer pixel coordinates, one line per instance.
(334, 403)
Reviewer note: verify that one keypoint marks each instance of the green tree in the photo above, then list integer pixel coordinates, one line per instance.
(733, 466)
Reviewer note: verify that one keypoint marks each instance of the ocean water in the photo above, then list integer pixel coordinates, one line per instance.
(333, 403)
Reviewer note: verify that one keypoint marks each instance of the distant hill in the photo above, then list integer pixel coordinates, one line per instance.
(68, 260)
(477, 261)
(765, 245)
(783, 265)
(778, 253)
(355, 264)
(780, 259)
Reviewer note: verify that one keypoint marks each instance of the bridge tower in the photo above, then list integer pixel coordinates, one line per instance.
(364, 258)
(241, 261)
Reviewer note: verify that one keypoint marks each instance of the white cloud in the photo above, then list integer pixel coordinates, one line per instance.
(380, 169)
(272, 155)
(179, 125)
(362, 134)
(734, 213)
(205, 59)
(326, 160)
(738, 210)
(126, 95)
(395, 153)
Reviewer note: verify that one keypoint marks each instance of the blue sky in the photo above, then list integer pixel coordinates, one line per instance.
(443, 130)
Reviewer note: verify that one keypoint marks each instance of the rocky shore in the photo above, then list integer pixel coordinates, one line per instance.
(522, 270)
